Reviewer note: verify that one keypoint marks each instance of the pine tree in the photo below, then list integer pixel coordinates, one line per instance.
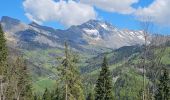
(24, 84)
(3, 64)
(19, 86)
(104, 88)
(46, 95)
(3, 53)
(163, 87)
(70, 77)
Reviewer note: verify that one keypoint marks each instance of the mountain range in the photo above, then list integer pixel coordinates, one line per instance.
(41, 45)
(93, 33)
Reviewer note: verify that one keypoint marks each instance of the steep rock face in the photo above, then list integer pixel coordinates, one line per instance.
(93, 32)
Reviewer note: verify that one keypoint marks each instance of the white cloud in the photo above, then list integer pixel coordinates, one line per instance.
(75, 12)
(66, 12)
(158, 12)
(123, 7)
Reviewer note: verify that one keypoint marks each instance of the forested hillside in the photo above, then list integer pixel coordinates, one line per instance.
(130, 72)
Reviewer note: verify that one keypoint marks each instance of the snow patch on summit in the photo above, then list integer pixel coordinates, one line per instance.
(141, 37)
(104, 26)
(93, 33)
(121, 36)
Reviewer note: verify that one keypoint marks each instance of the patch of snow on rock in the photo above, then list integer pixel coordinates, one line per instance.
(104, 26)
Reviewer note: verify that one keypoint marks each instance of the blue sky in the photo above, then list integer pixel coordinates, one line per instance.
(119, 17)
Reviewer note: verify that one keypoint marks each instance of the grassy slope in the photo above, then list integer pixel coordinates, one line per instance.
(42, 83)
(47, 60)
(166, 57)
(128, 80)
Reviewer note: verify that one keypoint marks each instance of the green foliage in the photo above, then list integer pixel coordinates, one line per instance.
(3, 53)
(37, 97)
(104, 89)
(166, 57)
(19, 86)
(24, 82)
(57, 94)
(42, 83)
(90, 96)
(163, 87)
(125, 78)
(46, 95)
(128, 86)
(70, 77)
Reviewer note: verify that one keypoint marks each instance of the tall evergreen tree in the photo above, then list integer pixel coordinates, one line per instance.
(3, 53)
(3, 64)
(70, 77)
(24, 82)
(19, 86)
(163, 87)
(104, 88)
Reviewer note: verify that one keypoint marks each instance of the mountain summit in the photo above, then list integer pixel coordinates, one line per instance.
(93, 32)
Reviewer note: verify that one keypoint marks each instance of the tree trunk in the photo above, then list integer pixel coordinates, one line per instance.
(66, 93)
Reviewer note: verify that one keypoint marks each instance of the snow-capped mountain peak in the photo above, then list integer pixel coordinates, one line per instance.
(93, 32)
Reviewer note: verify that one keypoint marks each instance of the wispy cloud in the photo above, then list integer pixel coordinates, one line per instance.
(123, 7)
(158, 12)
